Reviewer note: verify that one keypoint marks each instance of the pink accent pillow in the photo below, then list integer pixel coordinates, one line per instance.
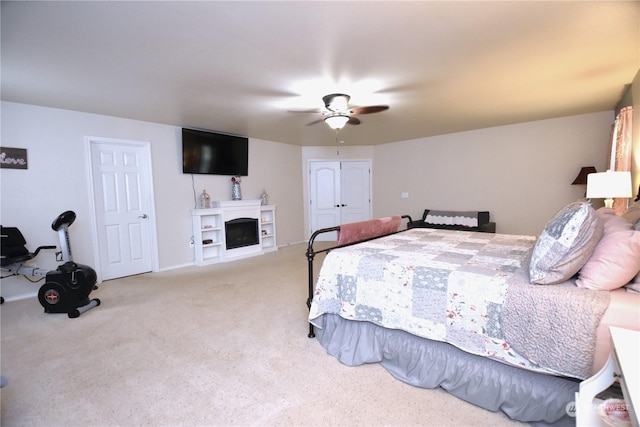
(632, 214)
(614, 262)
(612, 222)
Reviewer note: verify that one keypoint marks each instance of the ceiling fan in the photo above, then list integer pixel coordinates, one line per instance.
(337, 113)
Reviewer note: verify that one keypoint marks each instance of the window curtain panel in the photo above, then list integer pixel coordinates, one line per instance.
(620, 150)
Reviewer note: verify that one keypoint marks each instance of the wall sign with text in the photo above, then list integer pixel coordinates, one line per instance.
(13, 158)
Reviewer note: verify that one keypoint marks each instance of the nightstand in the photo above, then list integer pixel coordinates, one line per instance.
(622, 365)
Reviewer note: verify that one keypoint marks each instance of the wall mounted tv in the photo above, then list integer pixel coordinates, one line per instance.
(213, 153)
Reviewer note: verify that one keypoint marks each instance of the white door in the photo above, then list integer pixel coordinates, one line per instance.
(339, 193)
(121, 181)
(324, 196)
(355, 200)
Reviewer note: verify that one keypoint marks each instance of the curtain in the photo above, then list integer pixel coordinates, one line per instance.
(620, 150)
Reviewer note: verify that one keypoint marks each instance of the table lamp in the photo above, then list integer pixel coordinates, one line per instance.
(609, 185)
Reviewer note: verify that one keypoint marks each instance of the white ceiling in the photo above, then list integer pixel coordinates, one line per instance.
(239, 67)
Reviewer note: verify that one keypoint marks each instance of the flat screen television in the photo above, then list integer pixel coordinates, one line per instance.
(205, 152)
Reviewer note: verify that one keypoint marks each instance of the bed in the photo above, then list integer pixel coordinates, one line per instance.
(507, 322)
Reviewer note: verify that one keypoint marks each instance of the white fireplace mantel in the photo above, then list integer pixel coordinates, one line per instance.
(236, 203)
(232, 209)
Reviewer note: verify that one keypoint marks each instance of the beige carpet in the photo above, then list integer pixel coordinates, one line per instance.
(201, 346)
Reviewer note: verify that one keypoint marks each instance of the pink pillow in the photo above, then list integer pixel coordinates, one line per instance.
(632, 214)
(614, 262)
(612, 222)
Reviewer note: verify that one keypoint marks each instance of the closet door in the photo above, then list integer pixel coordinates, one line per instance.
(339, 193)
(324, 196)
(355, 203)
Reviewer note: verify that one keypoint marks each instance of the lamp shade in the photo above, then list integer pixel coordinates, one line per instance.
(609, 185)
(337, 121)
(581, 179)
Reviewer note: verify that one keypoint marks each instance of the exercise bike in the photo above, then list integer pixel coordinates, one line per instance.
(67, 288)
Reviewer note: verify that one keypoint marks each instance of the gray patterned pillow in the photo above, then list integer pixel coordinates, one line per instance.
(565, 244)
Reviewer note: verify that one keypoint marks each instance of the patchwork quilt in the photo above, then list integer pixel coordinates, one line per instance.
(442, 285)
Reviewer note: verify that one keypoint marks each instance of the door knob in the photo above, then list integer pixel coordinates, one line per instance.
(143, 216)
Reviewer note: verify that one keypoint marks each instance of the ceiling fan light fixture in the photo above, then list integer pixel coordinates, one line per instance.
(337, 121)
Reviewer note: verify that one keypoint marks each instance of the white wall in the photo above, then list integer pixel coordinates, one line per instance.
(520, 173)
(276, 167)
(57, 180)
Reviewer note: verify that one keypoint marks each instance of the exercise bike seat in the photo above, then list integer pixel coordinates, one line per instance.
(65, 218)
(12, 246)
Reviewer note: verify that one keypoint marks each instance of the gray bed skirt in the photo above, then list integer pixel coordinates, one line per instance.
(522, 395)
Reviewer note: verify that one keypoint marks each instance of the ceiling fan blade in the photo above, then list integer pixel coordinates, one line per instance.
(312, 110)
(336, 107)
(369, 109)
(315, 122)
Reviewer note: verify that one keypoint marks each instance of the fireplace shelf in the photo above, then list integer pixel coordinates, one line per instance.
(210, 239)
(208, 235)
(268, 227)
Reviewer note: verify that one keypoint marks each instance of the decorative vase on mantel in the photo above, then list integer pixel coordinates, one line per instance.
(236, 193)
(205, 200)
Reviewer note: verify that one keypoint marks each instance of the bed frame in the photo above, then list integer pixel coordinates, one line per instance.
(521, 394)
